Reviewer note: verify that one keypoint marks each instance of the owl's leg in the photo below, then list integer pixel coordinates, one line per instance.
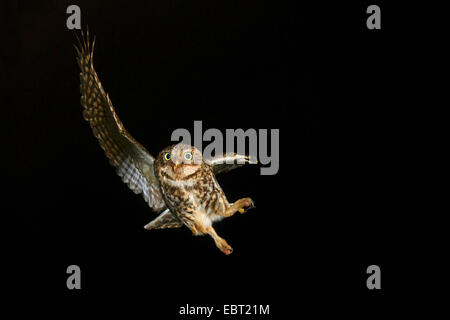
(198, 228)
(220, 242)
(242, 205)
(192, 223)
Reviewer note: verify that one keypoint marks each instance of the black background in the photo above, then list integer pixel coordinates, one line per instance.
(362, 179)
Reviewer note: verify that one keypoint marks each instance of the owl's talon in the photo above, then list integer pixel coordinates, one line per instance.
(249, 204)
(227, 250)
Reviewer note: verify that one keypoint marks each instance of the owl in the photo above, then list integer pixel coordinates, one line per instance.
(179, 184)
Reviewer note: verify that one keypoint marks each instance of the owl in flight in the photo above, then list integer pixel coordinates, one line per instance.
(179, 183)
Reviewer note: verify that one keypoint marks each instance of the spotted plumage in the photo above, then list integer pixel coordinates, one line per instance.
(179, 183)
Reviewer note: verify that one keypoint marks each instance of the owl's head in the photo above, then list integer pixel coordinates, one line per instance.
(179, 161)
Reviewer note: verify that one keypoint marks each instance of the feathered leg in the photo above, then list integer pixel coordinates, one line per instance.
(220, 242)
(242, 205)
(198, 228)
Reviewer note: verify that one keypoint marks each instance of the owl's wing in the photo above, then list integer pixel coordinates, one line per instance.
(229, 161)
(132, 162)
(163, 221)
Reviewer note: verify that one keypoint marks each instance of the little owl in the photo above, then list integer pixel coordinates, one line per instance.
(179, 184)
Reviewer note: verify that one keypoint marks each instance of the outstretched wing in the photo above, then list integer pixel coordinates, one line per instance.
(229, 161)
(163, 221)
(132, 162)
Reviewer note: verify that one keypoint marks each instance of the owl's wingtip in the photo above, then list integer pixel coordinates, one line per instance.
(147, 226)
(252, 160)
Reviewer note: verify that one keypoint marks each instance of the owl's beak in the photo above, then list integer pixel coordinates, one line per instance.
(176, 166)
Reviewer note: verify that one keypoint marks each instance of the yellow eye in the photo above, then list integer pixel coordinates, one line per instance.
(167, 156)
(188, 155)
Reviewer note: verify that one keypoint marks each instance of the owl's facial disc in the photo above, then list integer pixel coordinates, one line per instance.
(183, 160)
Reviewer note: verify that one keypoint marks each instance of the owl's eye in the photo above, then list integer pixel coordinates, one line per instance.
(167, 156)
(188, 155)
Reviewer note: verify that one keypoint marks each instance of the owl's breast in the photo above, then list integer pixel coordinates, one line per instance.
(202, 195)
(176, 193)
